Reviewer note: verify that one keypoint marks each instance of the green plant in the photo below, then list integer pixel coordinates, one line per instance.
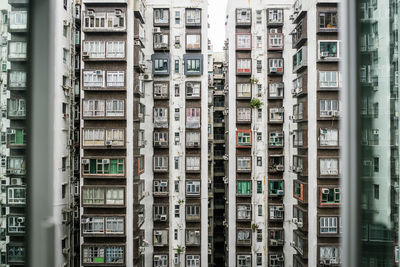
(181, 201)
(255, 103)
(254, 227)
(180, 249)
(253, 80)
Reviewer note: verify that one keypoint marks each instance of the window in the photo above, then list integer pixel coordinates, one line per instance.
(243, 90)
(160, 237)
(328, 49)
(193, 64)
(193, 16)
(16, 224)
(93, 137)
(298, 190)
(276, 114)
(160, 138)
(243, 115)
(160, 64)
(161, 89)
(330, 196)
(17, 50)
(243, 138)
(93, 108)
(275, 16)
(328, 137)
(275, 65)
(192, 163)
(243, 212)
(328, 107)
(175, 235)
(193, 118)
(243, 16)
(243, 261)
(275, 41)
(93, 196)
(192, 212)
(328, 166)
(177, 139)
(276, 188)
(193, 41)
(176, 66)
(160, 211)
(259, 259)
(176, 163)
(259, 187)
(276, 212)
(160, 163)
(328, 20)
(328, 79)
(115, 78)
(94, 49)
(160, 187)
(297, 85)
(15, 253)
(115, 108)
(192, 237)
(243, 164)
(243, 41)
(259, 114)
(331, 255)
(177, 90)
(64, 164)
(115, 49)
(160, 41)
(160, 260)
(275, 139)
(93, 78)
(259, 86)
(193, 89)
(376, 191)
(16, 136)
(161, 16)
(328, 225)
(298, 112)
(18, 20)
(93, 225)
(259, 41)
(243, 66)
(99, 166)
(176, 185)
(259, 16)
(193, 188)
(259, 67)
(177, 17)
(192, 139)
(259, 210)
(114, 196)
(17, 79)
(259, 235)
(16, 165)
(300, 58)
(114, 20)
(16, 195)
(161, 117)
(243, 236)
(192, 260)
(95, 254)
(243, 187)
(259, 161)
(376, 164)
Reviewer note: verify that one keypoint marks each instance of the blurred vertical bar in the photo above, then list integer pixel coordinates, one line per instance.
(40, 230)
(350, 132)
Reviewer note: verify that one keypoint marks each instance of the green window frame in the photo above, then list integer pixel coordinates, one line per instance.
(18, 138)
(244, 139)
(297, 189)
(96, 166)
(275, 187)
(244, 187)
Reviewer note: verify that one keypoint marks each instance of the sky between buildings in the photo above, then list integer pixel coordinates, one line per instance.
(216, 10)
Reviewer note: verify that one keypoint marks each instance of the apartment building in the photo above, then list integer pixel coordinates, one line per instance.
(176, 88)
(107, 132)
(284, 168)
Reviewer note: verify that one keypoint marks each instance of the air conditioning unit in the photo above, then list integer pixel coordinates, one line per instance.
(274, 243)
(325, 191)
(16, 181)
(273, 69)
(98, 72)
(85, 54)
(66, 23)
(280, 168)
(106, 161)
(20, 219)
(118, 13)
(280, 208)
(164, 45)
(281, 258)
(157, 30)
(324, 54)
(90, 13)
(10, 131)
(108, 143)
(279, 192)
(293, 91)
(294, 220)
(163, 218)
(225, 112)
(65, 251)
(291, 17)
(137, 42)
(296, 10)
(292, 244)
(300, 224)
(85, 161)
(375, 131)
(196, 144)
(147, 77)
(298, 169)
(337, 190)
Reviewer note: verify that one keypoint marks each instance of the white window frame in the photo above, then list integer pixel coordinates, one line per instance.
(93, 108)
(193, 188)
(243, 90)
(328, 107)
(161, 117)
(115, 49)
(160, 186)
(329, 41)
(275, 40)
(276, 212)
(193, 89)
(329, 166)
(17, 49)
(193, 237)
(328, 137)
(193, 16)
(243, 114)
(93, 225)
(193, 41)
(276, 114)
(18, 20)
(95, 49)
(330, 253)
(243, 235)
(329, 79)
(192, 163)
(243, 15)
(192, 260)
(115, 78)
(93, 137)
(243, 41)
(161, 15)
(160, 138)
(115, 196)
(161, 163)
(17, 78)
(160, 89)
(160, 237)
(243, 163)
(275, 15)
(93, 196)
(160, 260)
(243, 211)
(12, 199)
(243, 260)
(193, 118)
(115, 108)
(276, 90)
(328, 225)
(192, 138)
(243, 65)
(93, 78)
(115, 136)
(16, 224)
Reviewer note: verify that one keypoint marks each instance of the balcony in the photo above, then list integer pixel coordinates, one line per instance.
(193, 237)
(16, 138)
(100, 225)
(16, 80)
(300, 59)
(160, 139)
(103, 51)
(243, 42)
(300, 244)
(193, 118)
(243, 66)
(300, 165)
(300, 217)
(18, 21)
(300, 112)
(328, 22)
(103, 138)
(275, 140)
(193, 90)
(298, 11)
(300, 85)
(161, 17)
(160, 164)
(329, 167)
(300, 191)
(104, 80)
(192, 213)
(276, 163)
(243, 17)
(243, 164)
(103, 196)
(103, 254)
(299, 34)
(15, 254)
(243, 212)
(193, 188)
(274, 17)
(16, 224)
(161, 41)
(243, 115)
(328, 51)
(193, 17)
(330, 255)
(276, 115)
(276, 237)
(243, 237)
(17, 51)
(103, 167)
(16, 165)
(276, 213)
(275, 66)
(193, 139)
(243, 189)
(104, 21)
(330, 196)
(160, 238)
(100, 109)
(139, 34)
(16, 195)
(276, 188)
(192, 164)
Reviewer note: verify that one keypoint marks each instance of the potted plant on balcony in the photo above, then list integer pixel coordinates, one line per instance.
(253, 80)
(254, 227)
(255, 103)
(181, 201)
